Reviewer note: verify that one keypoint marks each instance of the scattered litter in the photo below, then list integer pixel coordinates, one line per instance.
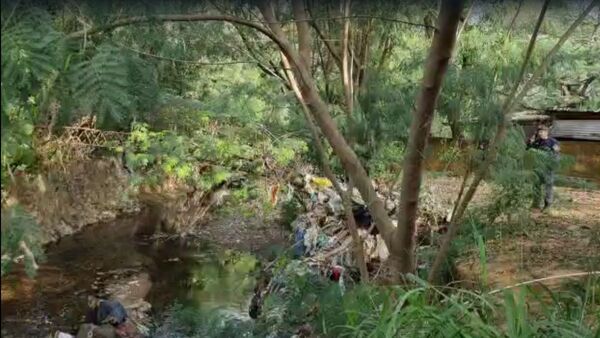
(322, 243)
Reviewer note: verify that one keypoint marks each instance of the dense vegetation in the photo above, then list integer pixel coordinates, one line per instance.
(210, 91)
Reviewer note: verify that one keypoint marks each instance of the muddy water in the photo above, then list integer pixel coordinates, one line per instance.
(190, 272)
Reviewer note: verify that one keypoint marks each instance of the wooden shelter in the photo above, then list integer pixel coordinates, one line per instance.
(566, 124)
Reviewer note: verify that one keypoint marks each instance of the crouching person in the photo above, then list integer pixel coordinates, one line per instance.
(107, 319)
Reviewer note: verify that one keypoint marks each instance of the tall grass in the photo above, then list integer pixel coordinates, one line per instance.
(409, 311)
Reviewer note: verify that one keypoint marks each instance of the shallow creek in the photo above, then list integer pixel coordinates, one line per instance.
(190, 272)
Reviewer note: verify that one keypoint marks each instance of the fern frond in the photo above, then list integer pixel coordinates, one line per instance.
(143, 83)
(29, 57)
(101, 84)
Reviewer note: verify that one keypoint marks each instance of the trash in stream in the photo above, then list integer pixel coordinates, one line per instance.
(322, 243)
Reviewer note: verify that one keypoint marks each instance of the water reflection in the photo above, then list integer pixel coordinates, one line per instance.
(190, 272)
(203, 276)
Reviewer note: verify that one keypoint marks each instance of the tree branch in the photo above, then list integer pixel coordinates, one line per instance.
(173, 18)
(200, 63)
(329, 129)
(327, 43)
(12, 12)
(347, 71)
(462, 28)
(362, 62)
(273, 71)
(219, 17)
(514, 19)
(28, 254)
(386, 51)
(538, 280)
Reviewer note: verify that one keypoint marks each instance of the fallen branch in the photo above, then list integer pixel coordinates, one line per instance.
(533, 281)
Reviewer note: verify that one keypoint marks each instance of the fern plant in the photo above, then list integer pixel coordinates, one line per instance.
(101, 84)
(29, 60)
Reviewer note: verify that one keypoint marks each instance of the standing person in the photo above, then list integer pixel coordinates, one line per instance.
(541, 140)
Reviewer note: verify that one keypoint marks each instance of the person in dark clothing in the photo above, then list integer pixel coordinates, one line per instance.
(102, 311)
(541, 140)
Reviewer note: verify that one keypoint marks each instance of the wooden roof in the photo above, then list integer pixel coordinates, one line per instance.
(555, 114)
(566, 124)
(577, 129)
(569, 114)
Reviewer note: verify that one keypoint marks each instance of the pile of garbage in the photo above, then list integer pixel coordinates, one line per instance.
(321, 236)
(323, 245)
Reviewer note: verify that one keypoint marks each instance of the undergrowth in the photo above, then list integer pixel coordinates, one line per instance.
(18, 228)
(374, 311)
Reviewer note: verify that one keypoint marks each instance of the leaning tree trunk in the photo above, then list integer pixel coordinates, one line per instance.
(320, 112)
(437, 62)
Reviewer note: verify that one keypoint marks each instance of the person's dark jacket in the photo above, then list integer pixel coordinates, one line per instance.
(546, 145)
(107, 311)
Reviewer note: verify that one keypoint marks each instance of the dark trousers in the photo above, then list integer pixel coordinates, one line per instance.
(545, 183)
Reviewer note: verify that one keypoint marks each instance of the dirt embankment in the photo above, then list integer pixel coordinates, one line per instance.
(64, 200)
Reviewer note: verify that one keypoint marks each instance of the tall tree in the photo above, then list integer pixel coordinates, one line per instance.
(439, 56)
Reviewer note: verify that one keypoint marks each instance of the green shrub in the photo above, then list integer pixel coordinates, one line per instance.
(17, 226)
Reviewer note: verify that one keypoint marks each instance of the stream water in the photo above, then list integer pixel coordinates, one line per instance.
(190, 272)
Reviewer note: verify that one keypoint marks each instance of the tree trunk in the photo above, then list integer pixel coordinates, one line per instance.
(363, 60)
(320, 113)
(386, 51)
(435, 69)
(347, 78)
(304, 36)
(465, 20)
(455, 126)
